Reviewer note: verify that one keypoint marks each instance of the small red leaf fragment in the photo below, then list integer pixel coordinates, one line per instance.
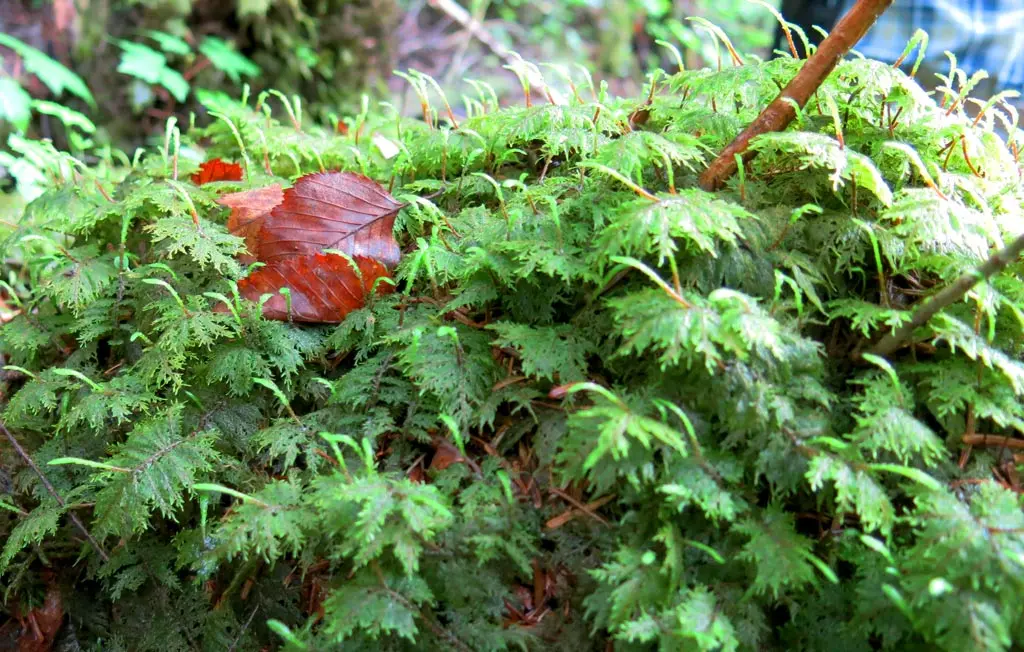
(248, 211)
(323, 287)
(42, 624)
(417, 473)
(332, 210)
(217, 170)
(445, 455)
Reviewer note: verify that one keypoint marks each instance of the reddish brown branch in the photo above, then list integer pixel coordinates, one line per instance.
(993, 440)
(949, 295)
(777, 115)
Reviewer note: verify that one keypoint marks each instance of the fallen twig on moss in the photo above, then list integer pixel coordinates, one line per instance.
(777, 115)
(993, 440)
(949, 295)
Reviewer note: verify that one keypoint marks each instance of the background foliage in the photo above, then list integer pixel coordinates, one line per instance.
(157, 58)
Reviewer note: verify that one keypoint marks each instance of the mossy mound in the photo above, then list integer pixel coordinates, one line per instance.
(603, 405)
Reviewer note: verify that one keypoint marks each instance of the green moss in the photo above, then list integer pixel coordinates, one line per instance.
(753, 485)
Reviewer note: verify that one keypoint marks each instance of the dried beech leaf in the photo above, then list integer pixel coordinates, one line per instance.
(288, 231)
(248, 211)
(332, 210)
(323, 287)
(217, 170)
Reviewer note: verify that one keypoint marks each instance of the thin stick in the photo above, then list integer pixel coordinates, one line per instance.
(589, 509)
(993, 440)
(53, 492)
(586, 509)
(777, 115)
(949, 295)
(455, 11)
(234, 643)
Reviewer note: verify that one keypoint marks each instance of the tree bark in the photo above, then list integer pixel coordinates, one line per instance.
(777, 115)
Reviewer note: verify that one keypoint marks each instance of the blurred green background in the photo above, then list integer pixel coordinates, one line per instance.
(146, 60)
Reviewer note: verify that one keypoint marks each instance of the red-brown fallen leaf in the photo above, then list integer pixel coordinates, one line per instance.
(289, 230)
(445, 455)
(43, 623)
(248, 210)
(332, 210)
(417, 473)
(217, 170)
(524, 595)
(323, 287)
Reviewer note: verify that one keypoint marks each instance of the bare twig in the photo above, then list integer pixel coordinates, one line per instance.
(949, 295)
(53, 492)
(589, 509)
(456, 12)
(234, 643)
(777, 115)
(993, 440)
(586, 509)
